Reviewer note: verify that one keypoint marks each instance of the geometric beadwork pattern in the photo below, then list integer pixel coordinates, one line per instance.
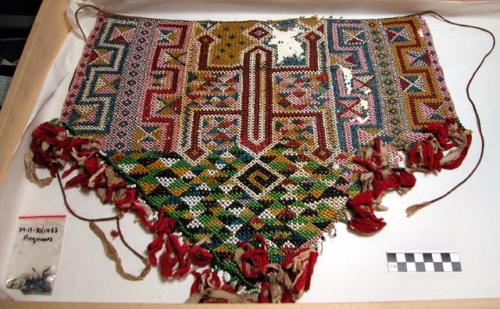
(284, 195)
(238, 128)
(193, 87)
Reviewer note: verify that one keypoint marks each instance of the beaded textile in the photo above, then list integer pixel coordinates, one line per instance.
(261, 135)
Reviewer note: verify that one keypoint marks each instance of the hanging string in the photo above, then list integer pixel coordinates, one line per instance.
(110, 250)
(77, 20)
(113, 255)
(65, 199)
(125, 243)
(414, 208)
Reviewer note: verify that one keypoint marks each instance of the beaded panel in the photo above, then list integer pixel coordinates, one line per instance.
(237, 128)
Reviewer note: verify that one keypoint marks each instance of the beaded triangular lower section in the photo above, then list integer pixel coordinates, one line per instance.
(255, 219)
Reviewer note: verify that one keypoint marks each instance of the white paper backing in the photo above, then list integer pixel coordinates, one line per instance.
(350, 267)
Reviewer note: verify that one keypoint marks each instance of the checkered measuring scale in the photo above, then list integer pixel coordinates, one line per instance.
(423, 262)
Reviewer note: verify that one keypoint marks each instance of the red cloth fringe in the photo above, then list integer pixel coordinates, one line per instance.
(255, 260)
(292, 276)
(52, 148)
(427, 156)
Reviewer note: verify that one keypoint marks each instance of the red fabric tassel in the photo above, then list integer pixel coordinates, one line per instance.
(164, 224)
(79, 179)
(364, 219)
(53, 148)
(427, 155)
(153, 247)
(141, 213)
(48, 145)
(458, 161)
(254, 260)
(174, 261)
(253, 263)
(382, 179)
(440, 130)
(265, 294)
(208, 279)
(302, 281)
(69, 170)
(199, 256)
(286, 297)
(203, 280)
(367, 225)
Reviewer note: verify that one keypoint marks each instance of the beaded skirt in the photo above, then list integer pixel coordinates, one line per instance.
(239, 145)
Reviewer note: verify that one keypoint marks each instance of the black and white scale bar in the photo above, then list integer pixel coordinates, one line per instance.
(409, 262)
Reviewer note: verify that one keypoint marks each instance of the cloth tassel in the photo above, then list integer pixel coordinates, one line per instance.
(285, 282)
(176, 260)
(31, 169)
(211, 295)
(279, 283)
(410, 211)
(378, 179)
(208, 288)
(252, 261)
(445, 149)
(52, 148)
